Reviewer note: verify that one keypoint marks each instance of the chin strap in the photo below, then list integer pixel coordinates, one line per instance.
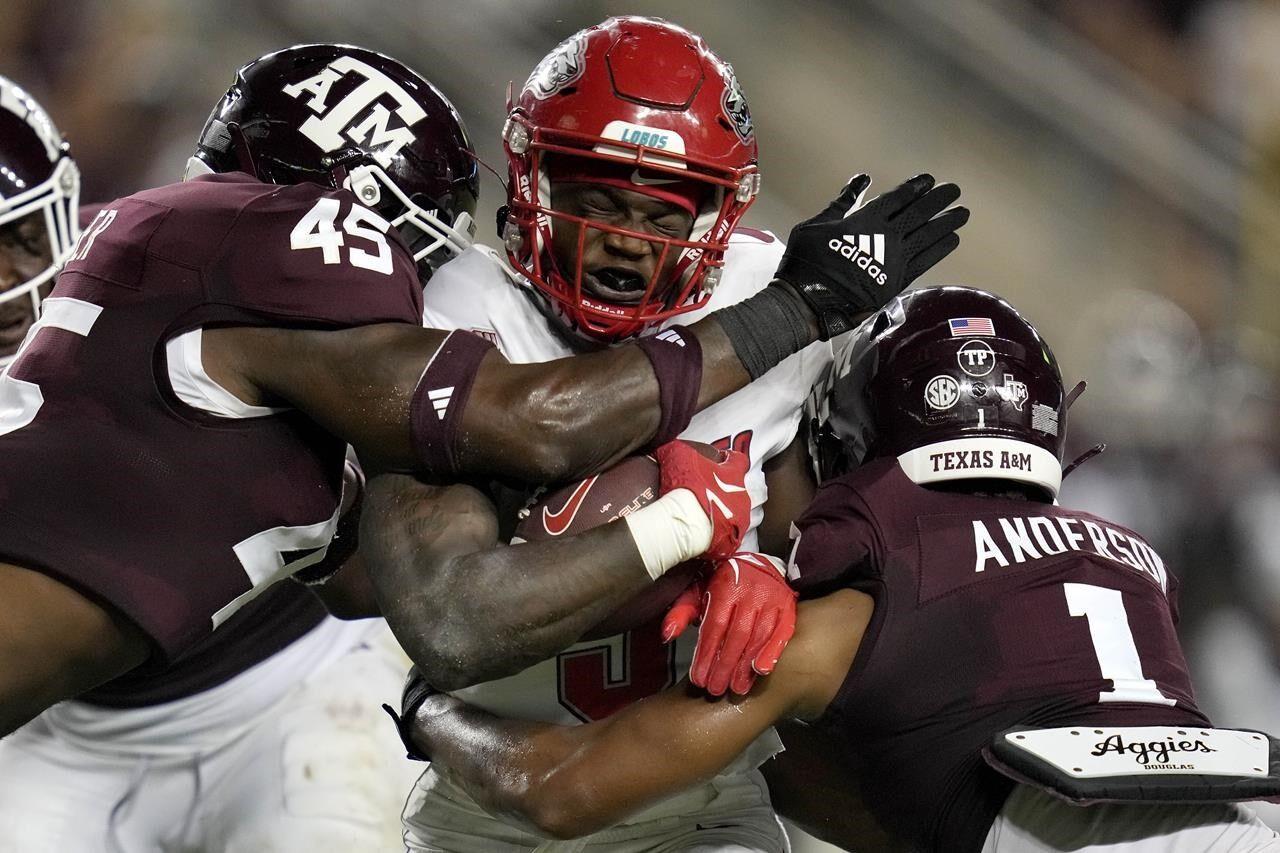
(1083, 458)
(1071, 397)
(244, 154)
(1074, 394)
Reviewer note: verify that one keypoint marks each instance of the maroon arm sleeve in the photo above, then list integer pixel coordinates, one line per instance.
(439, 400)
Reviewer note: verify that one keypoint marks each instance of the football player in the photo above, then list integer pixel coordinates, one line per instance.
(989, 670)
(632, 158)
(173, 427)
(264, 736)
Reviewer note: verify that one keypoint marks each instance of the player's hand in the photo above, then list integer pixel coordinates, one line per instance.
(685, 610)
(748, 617)
(852, 258)
(719, 486)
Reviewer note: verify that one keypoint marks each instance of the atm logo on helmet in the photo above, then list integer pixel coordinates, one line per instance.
(357, 116)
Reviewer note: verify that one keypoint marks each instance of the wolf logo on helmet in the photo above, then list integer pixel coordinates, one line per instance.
(735, 107)
(558, 68)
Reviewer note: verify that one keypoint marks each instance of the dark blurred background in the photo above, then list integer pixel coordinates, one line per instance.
(1121, 158)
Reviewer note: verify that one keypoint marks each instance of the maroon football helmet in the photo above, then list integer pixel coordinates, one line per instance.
(649, 103)
(952, 381)
(343, 116)
(38, 179)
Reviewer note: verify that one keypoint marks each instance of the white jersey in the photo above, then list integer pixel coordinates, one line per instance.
(478, 292)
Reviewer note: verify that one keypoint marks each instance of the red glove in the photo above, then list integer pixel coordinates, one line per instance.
(685, 610)
(748, 617)
(717, 484)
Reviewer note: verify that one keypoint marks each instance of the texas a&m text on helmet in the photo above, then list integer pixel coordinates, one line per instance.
(343, 116)
(39, 209)
(952, 381)
(644, 105)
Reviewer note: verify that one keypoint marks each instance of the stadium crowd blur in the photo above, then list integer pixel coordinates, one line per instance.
(1121, 158)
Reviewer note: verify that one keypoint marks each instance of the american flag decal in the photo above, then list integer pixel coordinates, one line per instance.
(962, 326)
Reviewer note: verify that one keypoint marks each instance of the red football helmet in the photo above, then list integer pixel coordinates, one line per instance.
(629, 93)
(944, 372)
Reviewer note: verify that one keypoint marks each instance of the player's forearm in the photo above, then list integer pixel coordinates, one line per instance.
(500, 763)
(570, 781)
(559, 420)
(468, 611)
(509, 608)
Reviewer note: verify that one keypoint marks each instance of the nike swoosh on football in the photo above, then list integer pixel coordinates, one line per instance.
(637, 178)
(556, 523)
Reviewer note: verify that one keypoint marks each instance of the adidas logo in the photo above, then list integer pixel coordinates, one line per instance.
(865, 250)
(670, 336)
(440, 398)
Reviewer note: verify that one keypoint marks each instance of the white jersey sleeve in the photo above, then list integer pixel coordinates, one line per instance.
(476, 291)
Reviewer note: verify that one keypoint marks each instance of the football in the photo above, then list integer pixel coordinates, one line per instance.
(572, 509)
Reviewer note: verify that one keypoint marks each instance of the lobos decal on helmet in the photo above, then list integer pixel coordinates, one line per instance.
(558, 68)
(735, 107)
(357, 116)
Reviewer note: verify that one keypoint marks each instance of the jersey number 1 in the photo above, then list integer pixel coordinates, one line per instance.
(1113, 644)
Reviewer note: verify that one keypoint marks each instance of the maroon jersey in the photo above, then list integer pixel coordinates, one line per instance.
(108, 482)
(990, 613)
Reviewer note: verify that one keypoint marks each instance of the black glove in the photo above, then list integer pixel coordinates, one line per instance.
(851, 259)
(416, 691)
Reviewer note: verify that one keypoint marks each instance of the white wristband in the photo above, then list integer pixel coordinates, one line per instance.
(669, 531)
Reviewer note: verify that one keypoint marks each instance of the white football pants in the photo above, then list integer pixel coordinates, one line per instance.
(730, 814)
(292, 756)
